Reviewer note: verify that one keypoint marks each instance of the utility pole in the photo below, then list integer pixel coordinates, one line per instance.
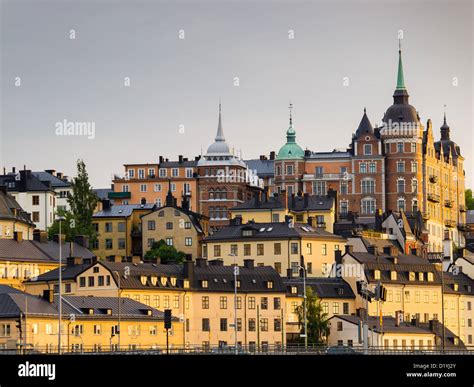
(305, 308)
(60, 219)
(236, 273)
(118, 309)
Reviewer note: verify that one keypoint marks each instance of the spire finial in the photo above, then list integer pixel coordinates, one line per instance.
(400, 76)
(291, 117)
(220, 131)
(445, 114)
(365, 110)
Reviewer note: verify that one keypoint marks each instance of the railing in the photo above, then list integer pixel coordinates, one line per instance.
(450, 223)
(262, 349)
(328, 176)
(462, 208)
(433, 179)
(434, 197)
(426, 216)
(448, 203)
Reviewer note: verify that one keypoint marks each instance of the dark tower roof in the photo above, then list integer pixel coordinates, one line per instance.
(365, 127)
(445, 144)
(444, 130)
(401, 110)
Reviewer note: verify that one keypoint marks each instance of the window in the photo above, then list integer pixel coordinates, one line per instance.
(289, 170)
(362, 168)
(339, 326)
(367, 149)
(277, 248)
(345, 308)
(401, 186)
(319, 172)
(260, 250)
(251, 302)
(319, 188)
(175, 172)
(324, 249)
(400, 166)
(82, 282)
(414, 166)
(90, 281)
(151, 225)
(143, 187)
(343, 188)
(206, 325)
(368, 206)
(368, 186)
(223, 325)
(277, 325)
(36, 216)
(335, 307)
(309, 248)
(401, 204)
(252, 325)
(414, 186)
(169, 225)
(36, 200)
(169, 241)
(108, 227)
(247, 249)
(162, 172)
(264, 303)
(344, 207)
(121, 243)
(413, 147)
(400, 147)
(276, 303)
(223, 302)
(157, 187)
(277, 266)
(264, 324)
(377, 274)
(188, 241)
(372, 168)
(325, 307)
(5, 330)
(189, 172)
(217, 250)
(294, 248)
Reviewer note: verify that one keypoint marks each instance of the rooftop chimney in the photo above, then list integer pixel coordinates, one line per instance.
(249, 263)
(201, 262)
(73, 261)
(372, 249)
(48, 295)
(272, 155)
(338, 257)
(18, 236)
(188, 269)
(349, 249)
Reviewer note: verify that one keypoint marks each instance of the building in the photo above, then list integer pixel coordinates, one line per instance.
(284, 245)
(398, 166)
(264, 168)
(60, 184)
(22, 259)
(36, 197)
(224, 180)
(334, 294)
(177, 226)
(148, 183)
(392, 335)
(200, 293)
(13, 218)
(89, 324)
(319, 211)
(119, 229)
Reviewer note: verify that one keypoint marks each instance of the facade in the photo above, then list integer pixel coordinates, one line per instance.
(119, 229)
(224, 180)
(148, 183)
(264, 168)
(36, 197)
(318, 211)
(281, 245)
(60, 184)
(398, 166)
(200, 294)
(177, 226)
(29, 322)
(13, 219)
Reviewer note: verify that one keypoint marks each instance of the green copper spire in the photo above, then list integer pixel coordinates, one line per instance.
(400, 77)
(291, 150)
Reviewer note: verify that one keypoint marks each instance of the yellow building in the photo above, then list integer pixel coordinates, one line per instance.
(177, 226)
(334, 294)
(319, 211)
(200, 294)
(414, 289)
(282, 245)
(119, 229)
(13, 219)
(23, 259)
(89, 324)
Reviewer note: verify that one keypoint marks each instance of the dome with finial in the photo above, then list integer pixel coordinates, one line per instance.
(219, 147)
(291, 150)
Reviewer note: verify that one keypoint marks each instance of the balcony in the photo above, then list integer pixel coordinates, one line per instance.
(448, 203)
(434, 198)
(328, 176)
(119, 195)
(433, 179)
(450, 223)
(462, 208)
(426, 216)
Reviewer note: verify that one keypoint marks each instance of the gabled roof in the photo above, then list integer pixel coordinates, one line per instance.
(295, 203)
(55, 181)
(27, 182)
(263, 168)
(10, 209)
(323, 287)
(122, 210)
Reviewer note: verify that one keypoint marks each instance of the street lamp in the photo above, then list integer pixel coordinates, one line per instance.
(60, 219)
(118, 311)
(304, 308)
(236, 273)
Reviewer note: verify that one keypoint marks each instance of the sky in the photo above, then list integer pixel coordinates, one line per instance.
(148, 76)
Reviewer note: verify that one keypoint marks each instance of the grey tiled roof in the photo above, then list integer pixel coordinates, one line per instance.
(324, 155)
(55, 182)
(10, 209)
(103, 193)
(295, 203)
(464, 282)
(177, 164)
(28, 182)
(122, 210)
(264, 168)
(5, 289)
(323, 287)
(67, 273)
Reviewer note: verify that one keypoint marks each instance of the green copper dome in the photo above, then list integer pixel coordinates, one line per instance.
(291, 150)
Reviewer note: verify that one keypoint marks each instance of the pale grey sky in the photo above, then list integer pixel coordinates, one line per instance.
(180, 81)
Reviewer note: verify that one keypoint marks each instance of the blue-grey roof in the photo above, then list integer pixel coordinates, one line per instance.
(263, 168)
(322, 286)
(324, 155)
(55, 182)
(122, 210)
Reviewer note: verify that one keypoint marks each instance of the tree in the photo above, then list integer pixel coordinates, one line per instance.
(316, 319)
(82, 201)
(469, 199)
(167, 254)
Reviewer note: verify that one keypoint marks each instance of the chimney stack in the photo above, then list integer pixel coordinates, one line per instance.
(249, 263)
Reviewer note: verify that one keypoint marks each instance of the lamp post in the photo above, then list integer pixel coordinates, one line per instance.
(304, 308)
(118, 310)
(236, 273)
(60, 219)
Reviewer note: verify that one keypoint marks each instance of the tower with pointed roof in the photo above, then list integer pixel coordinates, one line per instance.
(224, 180)
(289, 162)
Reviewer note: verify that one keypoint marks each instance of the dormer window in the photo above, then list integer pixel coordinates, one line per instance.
(154, 280)
(411, 276)
(393, 275)
(294, 290)
(143, 280)
(173, 281)
(238, 284)
(421, 276)
(163, 281)
(340, 291)
(430, 277)
(377, 274)
(269, 284)
(186, 284)
(246, 233)
(456, 287)
(204, 284)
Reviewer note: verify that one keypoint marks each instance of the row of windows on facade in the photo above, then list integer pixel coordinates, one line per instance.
(252, 325)
(35, 200)
(368, 206)
(162, 172)
(294, 249)
(121, 243)
(12, 271)
(158, 187)
(151, 225)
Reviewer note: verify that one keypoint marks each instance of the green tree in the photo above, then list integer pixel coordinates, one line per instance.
(469, 199)
(82, 202)
(316, 319)
(167, 254)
